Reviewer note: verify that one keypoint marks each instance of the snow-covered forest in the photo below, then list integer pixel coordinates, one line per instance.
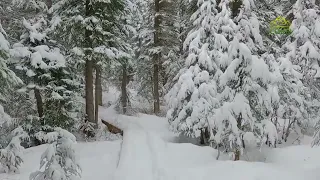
(159, 89)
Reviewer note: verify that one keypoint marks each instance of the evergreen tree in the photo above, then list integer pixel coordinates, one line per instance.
(302, 53)
(59, 159)
(144, 43)
(193, 97)
(11, 157)
(178, 14)
(245, 97)
(8, 79)
(87, 27)
(159, 46)
(44, 69)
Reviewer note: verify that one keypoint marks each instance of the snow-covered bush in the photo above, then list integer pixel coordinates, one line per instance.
(87, 128)
(59, 160)
(11, 156)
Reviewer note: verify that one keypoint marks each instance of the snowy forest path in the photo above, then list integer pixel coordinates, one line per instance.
(138, 157)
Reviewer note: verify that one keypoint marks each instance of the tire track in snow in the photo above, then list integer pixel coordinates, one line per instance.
(157, 147)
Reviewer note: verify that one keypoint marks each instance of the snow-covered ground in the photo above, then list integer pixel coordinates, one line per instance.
(149, 151)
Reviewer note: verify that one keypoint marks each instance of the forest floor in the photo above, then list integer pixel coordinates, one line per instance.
(149, 151)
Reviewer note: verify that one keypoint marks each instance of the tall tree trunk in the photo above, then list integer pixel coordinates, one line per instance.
(124, 99)
(98, 86)
(156, 59)
(237, 155)
(235, 7)
(97, 93)
(89, 90)
(39, 103)
(49, 5)
(156, 95)
(89, 70)
(237, 152)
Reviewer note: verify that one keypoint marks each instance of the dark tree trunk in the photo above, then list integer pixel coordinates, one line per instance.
(237, 152)
(287, 132)
(202, 137)
(98, 85)
(49, 4)
(156, 59)
(205, 136)
(89, 90)
(38, 97)
(237, 155)
(98, 92)
(156, 95)
(235, 7)
(89, 70)
(124, 83)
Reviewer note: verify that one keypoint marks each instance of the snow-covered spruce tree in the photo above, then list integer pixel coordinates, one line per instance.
(18, 104)
(13, 11)
(123, 59)
(158, 47)
(43, 68)
(245, 98)
(193, 97)
(174, 54)
(11, 157)
(59, 160)
(302, 53)
(293, 98)
(8, 79)
(87, 25)
(274, 110)
(144, 42)
(304, 45)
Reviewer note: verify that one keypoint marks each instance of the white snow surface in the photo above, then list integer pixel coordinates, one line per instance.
(149, 151)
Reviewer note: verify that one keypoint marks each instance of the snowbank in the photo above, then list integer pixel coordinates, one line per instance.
(301, 156)
(98, 160)
(226, 170)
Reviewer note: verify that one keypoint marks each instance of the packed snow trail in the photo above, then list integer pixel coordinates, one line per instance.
(144, 155)
(135, 161)
(140, 155)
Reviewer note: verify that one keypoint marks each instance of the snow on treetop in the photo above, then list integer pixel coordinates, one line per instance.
(260, 70)
(34, 26)
(56, 59)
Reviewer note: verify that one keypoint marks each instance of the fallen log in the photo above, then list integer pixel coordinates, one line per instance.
(113, 129)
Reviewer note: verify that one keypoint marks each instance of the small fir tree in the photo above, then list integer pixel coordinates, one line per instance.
(59, 159)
